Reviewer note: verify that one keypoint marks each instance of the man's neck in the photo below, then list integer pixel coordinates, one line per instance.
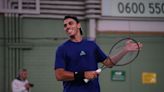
(21, 79)
(77, 38)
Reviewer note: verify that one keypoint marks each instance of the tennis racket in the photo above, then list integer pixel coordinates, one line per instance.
(127, 58)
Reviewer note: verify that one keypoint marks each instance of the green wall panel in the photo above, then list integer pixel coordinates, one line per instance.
(44, 35)
(150, 60)
(1, 55)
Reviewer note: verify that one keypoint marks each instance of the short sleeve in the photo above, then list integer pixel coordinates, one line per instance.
(100, 55)
(59, 59)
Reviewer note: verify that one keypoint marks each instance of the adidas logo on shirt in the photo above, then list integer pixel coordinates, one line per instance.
(82, 53)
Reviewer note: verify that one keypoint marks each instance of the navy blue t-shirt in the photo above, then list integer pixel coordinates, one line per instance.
(79, 57)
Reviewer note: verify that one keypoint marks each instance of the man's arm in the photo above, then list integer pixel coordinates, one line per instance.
(109, 62)
(62, 75)
(129, 47)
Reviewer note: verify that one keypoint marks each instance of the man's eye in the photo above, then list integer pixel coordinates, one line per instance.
(70, 23)
(65, 25)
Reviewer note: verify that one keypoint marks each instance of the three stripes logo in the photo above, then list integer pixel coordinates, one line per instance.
(82, 53)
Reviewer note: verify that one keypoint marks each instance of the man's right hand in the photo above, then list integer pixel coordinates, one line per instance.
(27, 86)
(90, 74)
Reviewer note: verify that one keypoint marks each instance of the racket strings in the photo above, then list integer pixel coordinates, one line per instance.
(128, 58)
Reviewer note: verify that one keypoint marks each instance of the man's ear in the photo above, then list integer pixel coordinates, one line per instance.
(79, 25)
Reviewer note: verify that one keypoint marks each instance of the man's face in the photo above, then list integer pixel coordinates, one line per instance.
(23, 75)
(71, 26)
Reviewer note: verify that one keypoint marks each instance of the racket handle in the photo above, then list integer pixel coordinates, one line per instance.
(86, 80)
(98, 71)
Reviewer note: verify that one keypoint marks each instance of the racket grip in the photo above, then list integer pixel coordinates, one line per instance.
(98, 71)
(86, 80)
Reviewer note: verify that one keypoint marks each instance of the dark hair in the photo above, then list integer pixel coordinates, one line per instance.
(74, 18)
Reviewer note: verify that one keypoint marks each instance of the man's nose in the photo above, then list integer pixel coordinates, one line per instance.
(68, 26)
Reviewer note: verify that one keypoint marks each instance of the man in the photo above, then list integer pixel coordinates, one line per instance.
(21, 84)
(77, 59)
